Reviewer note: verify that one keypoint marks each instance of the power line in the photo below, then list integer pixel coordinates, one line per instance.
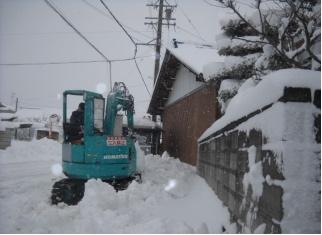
(52, 63)
(142, 78)
(109, 17)
(190, 33)
(132, 40)
(67, 33)
(70, 62)
(190, 21)
(91, 44)
(75, 29)
(210, 4)
(118, 22)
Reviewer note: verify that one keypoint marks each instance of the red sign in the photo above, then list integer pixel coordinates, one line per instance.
(115, 140)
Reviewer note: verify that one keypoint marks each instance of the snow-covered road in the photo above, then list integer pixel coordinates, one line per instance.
(171, 199)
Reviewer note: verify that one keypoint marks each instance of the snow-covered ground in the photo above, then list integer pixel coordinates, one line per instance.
(171, 199)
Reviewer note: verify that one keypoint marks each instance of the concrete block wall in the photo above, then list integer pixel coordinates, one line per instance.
(223, 162)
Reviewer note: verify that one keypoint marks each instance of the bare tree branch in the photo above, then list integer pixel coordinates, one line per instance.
(249, 40)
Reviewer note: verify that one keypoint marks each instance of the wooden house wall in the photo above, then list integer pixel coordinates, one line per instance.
(186, 119)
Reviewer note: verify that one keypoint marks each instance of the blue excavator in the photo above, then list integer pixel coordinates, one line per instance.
(106, 151)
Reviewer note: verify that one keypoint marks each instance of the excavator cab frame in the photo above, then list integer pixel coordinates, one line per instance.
(103, 153)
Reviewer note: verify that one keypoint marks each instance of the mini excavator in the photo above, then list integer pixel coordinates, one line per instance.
(106, 151)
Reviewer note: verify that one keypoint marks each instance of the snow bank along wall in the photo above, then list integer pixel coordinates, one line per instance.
(269, 185)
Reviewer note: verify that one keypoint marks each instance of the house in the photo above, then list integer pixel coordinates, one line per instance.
(7, 115)
(185, 99)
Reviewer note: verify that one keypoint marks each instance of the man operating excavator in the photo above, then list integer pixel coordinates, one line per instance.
(77, 123)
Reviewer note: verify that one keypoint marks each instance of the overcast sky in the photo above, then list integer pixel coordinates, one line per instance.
(31, 32)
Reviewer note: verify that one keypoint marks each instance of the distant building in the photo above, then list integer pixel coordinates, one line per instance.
(144, 128)
(185, 99)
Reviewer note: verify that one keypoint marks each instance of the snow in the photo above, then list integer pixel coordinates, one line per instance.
(195, 56)
(140, 160)
(213, 69)
(101, 88)
(301, 168)
(57, 169)
(263, 61)
(289, 130)
(260, 229)
(254, 176)
(249, 83)
(228, 89)
(36, 114)
(5, 107)
(298, 158)
(267, 91)
(143, 122)
(252, 42)
(229, 85)
(5, 124)
(26, 178)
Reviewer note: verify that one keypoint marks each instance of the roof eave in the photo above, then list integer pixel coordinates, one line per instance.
(165, 80)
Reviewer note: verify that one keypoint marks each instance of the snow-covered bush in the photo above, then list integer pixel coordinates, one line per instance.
(228, 89)
(268, 36)
(241, 50)
(236, 27)
(239, 71)
(291, 27)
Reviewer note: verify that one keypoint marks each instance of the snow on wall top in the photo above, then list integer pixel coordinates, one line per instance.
(268, 90)
(196, 56)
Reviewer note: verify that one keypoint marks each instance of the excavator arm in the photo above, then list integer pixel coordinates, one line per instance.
(118, 99)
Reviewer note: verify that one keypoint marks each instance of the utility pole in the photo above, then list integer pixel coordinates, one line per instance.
(159, 23)
(158, 46)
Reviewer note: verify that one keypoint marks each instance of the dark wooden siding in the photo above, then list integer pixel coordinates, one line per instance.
(186, 119)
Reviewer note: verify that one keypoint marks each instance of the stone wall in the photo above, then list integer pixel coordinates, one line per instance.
(223, 160)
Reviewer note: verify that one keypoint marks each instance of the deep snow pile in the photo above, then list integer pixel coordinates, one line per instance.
(267, 91)
(171, 199)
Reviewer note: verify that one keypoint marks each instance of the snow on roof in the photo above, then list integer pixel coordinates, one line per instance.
(5, 107)
(196, 56)
(7, 116)
(269, 90)
(5, 124)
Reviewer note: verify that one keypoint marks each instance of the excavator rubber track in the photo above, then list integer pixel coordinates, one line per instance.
(122, 184)
(69, 191)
